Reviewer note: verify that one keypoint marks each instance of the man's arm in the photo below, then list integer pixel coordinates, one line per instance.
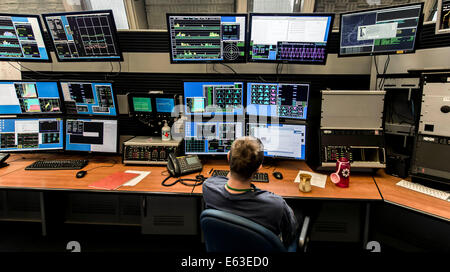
(289, 225)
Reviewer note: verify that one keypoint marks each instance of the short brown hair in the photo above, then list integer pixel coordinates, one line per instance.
(246, 157)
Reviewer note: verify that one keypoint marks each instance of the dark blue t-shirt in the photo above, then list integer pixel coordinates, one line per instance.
(263, 207)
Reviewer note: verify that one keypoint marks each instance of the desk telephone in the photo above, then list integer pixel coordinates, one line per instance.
(3, 158)
(179, 166)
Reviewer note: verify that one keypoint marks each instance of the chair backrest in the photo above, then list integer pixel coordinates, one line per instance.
(226, 232)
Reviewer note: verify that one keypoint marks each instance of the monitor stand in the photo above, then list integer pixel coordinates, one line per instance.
(3, 164)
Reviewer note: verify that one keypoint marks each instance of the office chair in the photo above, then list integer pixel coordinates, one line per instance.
(226, 232)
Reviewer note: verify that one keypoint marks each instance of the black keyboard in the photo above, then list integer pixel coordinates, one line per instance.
(58, 165)
(257, 177)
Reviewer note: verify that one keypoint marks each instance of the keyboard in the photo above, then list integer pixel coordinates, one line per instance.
(424, 190)
(257, 177)
(58, 165)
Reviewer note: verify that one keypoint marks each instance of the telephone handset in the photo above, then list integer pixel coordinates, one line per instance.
(179, 166)
(3, 158)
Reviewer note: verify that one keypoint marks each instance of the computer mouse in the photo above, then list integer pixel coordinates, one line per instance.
(277, 175)
(81, 174)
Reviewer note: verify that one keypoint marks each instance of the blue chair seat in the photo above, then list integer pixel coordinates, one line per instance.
(226, 232)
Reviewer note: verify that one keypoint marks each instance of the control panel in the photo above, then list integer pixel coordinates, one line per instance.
(149, 150)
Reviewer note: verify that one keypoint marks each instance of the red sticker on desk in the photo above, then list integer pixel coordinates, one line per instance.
(113, 181)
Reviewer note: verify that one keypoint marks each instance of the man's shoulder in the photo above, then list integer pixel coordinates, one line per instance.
(214, 182)
(269, 196)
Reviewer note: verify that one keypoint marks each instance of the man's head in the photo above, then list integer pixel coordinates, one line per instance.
(246, 157)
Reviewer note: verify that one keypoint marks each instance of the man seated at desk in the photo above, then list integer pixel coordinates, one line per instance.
(237, 195)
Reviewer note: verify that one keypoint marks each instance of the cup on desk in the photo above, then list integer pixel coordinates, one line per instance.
(305, 183)
(342, 175)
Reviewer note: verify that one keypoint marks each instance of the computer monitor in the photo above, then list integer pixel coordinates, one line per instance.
(31, 134)
(210, 138)
(280, 140)
(91, 135)
(390, 30)
(29, 97)
(84, 36)
(290, 38)
(207, 37)
(89, 98)
(208, 98)
(21, 38)
(284, 100)
(159, 105)
(443, 17)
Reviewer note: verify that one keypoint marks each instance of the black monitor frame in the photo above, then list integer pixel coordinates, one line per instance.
(417, 39)
(37, 115)
(172, 61)
(212, 155)
(282, 119)
(39, 150)
(47, 49)
(249, 59)
(95, 59)
(247, 133)
(152, 96)
(91, 119)
(212, 114)
(89, 81)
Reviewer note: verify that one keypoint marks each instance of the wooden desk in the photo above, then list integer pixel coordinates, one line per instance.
(362, 187)
(410, 199)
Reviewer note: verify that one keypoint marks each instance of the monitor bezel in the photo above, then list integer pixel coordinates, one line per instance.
(172, 61)
(91, 152)
(247, 133)
(98, 59)
(417, 39)
(327, 47)
(61, 99)
(438, 30)
(152, 97)
(47, 49)
(206, 121)
(90, 81)
(38, 150)
(212, 114)
(281, 118)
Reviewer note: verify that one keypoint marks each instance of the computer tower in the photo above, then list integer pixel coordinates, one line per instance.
(432, 143)
(351, 127)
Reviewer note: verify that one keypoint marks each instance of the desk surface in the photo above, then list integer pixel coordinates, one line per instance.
(362, 187)
(410, 199)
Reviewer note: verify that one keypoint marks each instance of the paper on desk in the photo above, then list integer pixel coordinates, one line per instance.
(317, 180)
(136, 180)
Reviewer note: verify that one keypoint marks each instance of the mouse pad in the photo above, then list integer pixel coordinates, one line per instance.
(113, 181)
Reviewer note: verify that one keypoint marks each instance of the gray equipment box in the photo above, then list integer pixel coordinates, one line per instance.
(435, 113)
(352, 109)
(149, 150)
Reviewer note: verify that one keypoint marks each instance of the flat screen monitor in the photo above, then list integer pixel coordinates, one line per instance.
(207, 37)
(89, 98)
(160, 105)
(390, 30)
(209, 98)
(31, 134)
(21, 38)
(29, 97)
(282, 100)
(443, 17)
(84, 36)
(211, 138)
(91, 135)
(290, 38)
(280, 140)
